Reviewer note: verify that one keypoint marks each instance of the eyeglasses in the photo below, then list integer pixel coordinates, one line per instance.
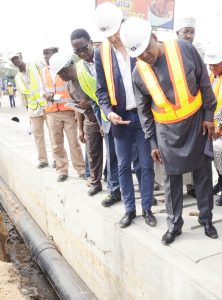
(81, 50)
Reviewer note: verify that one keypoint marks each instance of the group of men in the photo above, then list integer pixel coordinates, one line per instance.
(151, 101)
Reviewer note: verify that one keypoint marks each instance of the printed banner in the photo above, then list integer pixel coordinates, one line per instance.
(160, 13)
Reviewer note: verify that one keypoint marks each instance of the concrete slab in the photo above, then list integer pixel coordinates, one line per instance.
(115, 263)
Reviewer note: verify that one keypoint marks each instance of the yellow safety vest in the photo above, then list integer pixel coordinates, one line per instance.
(33, 95)
(88, 84)
(186, 104)
(106, 56)
(217, 89)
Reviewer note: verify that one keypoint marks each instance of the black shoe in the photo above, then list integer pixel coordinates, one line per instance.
(127, 219)
(62, 178)
(149, 218)
(154, 203)
(110, 200)
(169, 237)
(42, 165)
(191, 191)
(210, 230)
(94, 190)
(218, 202)
(54, 164)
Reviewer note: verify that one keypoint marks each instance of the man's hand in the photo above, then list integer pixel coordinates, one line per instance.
(81, 136)
(155, 153)
(117, 120)
(209, 128)
(101, 131)
(217, 132)
(84, 104)
(48, 97)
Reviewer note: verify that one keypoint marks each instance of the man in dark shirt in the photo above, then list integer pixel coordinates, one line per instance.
(178, 143)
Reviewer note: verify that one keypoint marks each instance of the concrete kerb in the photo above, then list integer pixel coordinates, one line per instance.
(115, 264)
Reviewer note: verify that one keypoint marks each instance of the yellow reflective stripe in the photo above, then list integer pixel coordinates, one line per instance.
(153, 86)
(176, 73)
(107, 66)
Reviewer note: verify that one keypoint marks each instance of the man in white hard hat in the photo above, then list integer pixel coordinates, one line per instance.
(213, 57)
(172, 87)
(81, 103)
(185, 28)
(30, 88)
(61, 118)
(116, 98)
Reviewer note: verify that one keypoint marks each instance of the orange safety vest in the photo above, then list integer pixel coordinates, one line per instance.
(106, 56)
(186, 104)
(58, 88)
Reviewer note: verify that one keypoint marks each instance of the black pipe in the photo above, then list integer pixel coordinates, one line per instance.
(66, 282)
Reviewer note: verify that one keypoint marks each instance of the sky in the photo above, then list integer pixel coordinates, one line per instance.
(29, 26)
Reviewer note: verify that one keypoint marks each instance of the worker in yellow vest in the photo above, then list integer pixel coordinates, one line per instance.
(30, 88)
(213, 57)
(11, 94)
(172, 87)
(61, 119)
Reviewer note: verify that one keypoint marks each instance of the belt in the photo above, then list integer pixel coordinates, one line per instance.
(133, 110)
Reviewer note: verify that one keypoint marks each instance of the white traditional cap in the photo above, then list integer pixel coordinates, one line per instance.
(14, 54)
(213, 54)
(108, 18)
(188, 21)
(60, 61)
(135, 35)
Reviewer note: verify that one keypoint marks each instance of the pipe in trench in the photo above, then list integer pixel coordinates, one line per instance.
(66, 282)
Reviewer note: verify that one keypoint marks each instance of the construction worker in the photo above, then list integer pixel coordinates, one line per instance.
(86, 72)
(116, 99)
(172, 87)
(65, 68)
(30, 88)
(11, 94)
(61, 119)
(213, 57)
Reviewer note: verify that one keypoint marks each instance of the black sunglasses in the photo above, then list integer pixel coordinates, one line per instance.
(81, 50)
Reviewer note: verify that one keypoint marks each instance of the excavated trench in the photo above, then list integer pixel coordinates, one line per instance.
(33, 283)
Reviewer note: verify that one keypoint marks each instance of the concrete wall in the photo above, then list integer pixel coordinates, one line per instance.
(126, 264)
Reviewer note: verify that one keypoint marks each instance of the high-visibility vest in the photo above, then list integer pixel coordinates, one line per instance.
(88, 84)
(58, 88)
(32, 91)
(217, 89)
(185, 104)
(106, 56)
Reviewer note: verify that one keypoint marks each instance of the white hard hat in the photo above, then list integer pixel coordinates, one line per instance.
(9, 83)
(187, 21)
(108, 18)
(14, 54)
(213, 54)
(60, 61)
(135, 35)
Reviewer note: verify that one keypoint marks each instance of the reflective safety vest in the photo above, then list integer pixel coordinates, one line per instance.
(88, 84)
(217, 89)
(106, 56)
(185, 104)
(58, 88)
(31, 90)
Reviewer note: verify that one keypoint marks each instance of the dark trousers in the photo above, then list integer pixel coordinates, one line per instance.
(124, 146)
(12, 100)
(173, 185)
(111, 165)
(94, 142)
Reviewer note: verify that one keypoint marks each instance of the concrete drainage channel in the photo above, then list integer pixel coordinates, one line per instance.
(66, 282)
(33, 283)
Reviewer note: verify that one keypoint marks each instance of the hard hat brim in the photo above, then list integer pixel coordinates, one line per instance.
(140, 49)
(212, 61)
(110, 32)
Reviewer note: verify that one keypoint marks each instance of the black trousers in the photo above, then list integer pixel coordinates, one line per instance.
(173, 185)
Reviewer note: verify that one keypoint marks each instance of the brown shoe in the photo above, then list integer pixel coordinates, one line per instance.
(42, 165)
(62, 178)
